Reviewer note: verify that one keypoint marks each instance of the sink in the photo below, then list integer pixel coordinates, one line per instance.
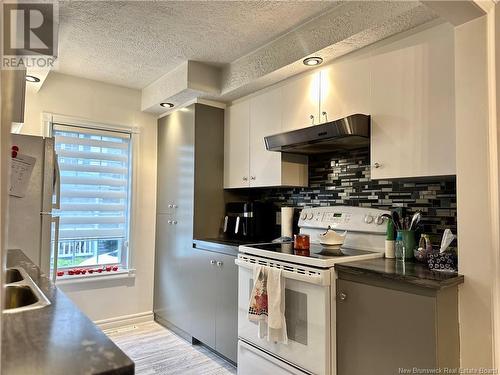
(21, 292)
(19, 296)
(12, 275)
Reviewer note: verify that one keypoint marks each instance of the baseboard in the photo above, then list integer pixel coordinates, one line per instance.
(124, 320)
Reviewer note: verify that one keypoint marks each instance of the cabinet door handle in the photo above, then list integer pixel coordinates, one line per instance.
(170, 206)
(169, 222)
(174, 222)
(252, 178)
(342, 296)
(245, 178)
(212, 262)
(219, 264)
(377, 165)
(312, 119)
(326, 115)
(174, 206)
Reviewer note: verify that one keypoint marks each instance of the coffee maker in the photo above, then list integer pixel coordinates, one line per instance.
(249, 222)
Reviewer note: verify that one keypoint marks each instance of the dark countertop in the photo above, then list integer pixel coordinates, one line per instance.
(413, 273)
(56, 339)
(216, 245)
(220, 245)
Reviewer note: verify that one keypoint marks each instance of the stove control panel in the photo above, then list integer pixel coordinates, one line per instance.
(349, 218)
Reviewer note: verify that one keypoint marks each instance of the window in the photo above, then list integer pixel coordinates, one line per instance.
(95, 168)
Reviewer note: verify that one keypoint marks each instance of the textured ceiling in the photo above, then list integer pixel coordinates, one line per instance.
(344, 28)
(134, 43)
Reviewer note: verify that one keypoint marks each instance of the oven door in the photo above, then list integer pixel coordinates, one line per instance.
(307, 314)
(252, 361)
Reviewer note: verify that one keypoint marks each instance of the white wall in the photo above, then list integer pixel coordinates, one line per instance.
(494, 47)
(473, 194)
(105, 103)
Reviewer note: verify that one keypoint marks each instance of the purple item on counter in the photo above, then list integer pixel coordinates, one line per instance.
(422, 254)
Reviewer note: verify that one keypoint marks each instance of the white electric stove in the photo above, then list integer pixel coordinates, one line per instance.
(310, 290)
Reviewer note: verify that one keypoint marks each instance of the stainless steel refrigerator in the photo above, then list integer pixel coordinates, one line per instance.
(32, 225)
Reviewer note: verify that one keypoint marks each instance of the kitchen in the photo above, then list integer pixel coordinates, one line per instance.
(187, 203)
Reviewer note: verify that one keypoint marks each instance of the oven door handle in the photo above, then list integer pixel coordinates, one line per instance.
(322, 280)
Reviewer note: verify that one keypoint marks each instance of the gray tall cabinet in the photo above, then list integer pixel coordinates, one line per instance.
(190, 204)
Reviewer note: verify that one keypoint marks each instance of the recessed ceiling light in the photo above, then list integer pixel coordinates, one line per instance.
(167, 105)
(313, 61)
(32, 78)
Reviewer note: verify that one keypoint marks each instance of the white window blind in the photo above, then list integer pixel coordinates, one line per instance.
(95, 192)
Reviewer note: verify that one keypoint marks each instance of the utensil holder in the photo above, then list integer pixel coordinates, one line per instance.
(409, 241)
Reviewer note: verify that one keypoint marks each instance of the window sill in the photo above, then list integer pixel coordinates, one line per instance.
(97, 277)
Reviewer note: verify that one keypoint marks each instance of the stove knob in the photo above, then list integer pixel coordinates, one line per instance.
(379, 220)
(309, 216)
(368, 219)
(303, 217)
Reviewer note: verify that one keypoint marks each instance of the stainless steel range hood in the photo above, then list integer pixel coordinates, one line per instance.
(347, 133)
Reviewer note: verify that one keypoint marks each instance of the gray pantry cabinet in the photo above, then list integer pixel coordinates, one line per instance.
(385, 326)
(190, 204)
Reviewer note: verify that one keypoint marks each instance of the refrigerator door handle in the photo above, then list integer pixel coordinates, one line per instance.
(57, 204)
(56, 221)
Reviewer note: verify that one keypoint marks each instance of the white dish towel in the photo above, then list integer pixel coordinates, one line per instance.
(267, 304)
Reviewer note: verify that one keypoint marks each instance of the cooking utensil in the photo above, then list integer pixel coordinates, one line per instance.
(397, 221)
(394, 220)
(407, 223)
(415, 220)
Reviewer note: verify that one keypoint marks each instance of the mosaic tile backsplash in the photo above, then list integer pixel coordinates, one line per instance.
(344, 179)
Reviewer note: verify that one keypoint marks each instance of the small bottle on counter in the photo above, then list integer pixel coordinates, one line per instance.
(400, 247)
(389, 242)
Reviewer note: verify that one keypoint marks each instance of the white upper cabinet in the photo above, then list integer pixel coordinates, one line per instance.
(236, 145)
(345, 89)
(405, 84)
(413, 106)
(247, 162)
(300, 102)
(265, 119)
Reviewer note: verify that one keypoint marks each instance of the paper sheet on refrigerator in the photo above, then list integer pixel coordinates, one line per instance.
(21, 168)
